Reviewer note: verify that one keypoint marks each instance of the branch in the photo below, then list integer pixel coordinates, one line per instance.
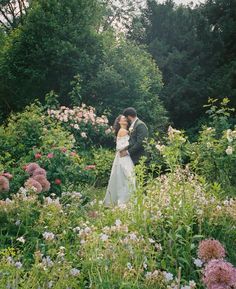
(21, 11)
(6, 18)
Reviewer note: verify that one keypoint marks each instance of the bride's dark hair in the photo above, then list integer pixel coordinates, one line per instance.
(116, 125)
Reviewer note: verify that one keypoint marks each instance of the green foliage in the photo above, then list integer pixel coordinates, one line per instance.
(129, 77)
(57, 41)
(103, 160)
(194, 50)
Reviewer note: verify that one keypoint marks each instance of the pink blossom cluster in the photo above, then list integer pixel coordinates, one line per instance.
(4, 182)
(217, 274)
(77, 117)
(38, 178)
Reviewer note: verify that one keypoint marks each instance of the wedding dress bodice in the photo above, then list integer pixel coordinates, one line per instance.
(122, 142)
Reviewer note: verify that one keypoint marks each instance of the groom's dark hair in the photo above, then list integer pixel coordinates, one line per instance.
(130, 111)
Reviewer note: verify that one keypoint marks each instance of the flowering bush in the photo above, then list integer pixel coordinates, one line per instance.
(88, 128)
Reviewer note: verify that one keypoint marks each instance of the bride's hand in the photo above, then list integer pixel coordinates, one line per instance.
(124, 153)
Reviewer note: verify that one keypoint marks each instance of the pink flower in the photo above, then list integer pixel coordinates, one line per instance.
(219, 274)
(43, 182)
(50, 155)
(4, 184)
(210, 249)
(57, 181)
(90, 167)
(63, 150)
(39, 171)
(38, 156)
(32, 183)
(8, 176)
(73, 154)
(30, 168)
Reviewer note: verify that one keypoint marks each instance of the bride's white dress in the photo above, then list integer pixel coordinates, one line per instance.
(122, 179)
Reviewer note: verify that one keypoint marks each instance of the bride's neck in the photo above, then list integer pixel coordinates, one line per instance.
(123, 126)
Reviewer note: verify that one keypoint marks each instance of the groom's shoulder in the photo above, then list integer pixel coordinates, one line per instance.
(140, 122)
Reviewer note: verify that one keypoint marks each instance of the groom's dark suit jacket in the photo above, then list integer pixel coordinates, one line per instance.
(136, 142)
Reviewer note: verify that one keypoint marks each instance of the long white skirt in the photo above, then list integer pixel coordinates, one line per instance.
(122, 181)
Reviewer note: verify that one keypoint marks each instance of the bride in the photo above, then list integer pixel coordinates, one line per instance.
(122, 179)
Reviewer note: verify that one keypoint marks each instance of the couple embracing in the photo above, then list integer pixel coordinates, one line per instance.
(130, 133)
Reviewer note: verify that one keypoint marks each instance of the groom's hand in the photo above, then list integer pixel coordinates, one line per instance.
(123, 154)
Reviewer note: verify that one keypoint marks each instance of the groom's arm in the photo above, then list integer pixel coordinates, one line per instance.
(142, 134)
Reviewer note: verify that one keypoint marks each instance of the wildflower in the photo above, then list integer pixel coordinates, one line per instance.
(210, 249)
(4, 184)
(17, 223)
(57, 181)
(73, 154)
(129, 266)
(229, 135)
(219, 274)
(43, 182)
(40, 172)
(168, 276)
(48, 236)
(83, 135)
(30, 168)
(38, 156)
(192, 284)
(151, 241)
(21, 239)
(18, 265)
(90, 167)
(47, 262)
(33, 184)
(133, 236)
(50, 156)
(74, 272)
(76, 229)
(229, 150)
(76, 126)
(63, 150)
(50, 284)
(198, 262)
(118, 223)
(104, 237)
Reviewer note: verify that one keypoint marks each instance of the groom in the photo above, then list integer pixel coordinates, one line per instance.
(138, 134)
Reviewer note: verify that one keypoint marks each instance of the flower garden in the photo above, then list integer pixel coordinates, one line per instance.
(178, 231)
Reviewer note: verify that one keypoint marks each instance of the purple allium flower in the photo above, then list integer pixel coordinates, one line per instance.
(210, 249)
(39, 171)
(219, 274)
(32, 183)
(30, 168)
(43, 182)
(4, 184)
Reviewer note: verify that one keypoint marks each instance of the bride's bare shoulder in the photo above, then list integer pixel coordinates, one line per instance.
(122, 132)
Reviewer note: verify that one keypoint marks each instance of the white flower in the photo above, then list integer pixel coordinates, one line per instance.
(76, 126)
(18, 265)
(49, 236)
(83, 135)
(82, 242)
(17, 223)
(76, 229)
(50, 284)
(229, 135)
(151, 241)
(104, 237)
(46, 261)
(118, 223)
(145, 265)
(168, 276)
(192, 284)
(129, 266)
(74, 272)
(21, 239)
(133, 236)
(198, 262)
(229, 150)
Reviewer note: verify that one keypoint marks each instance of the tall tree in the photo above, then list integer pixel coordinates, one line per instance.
(58, 40)
(194, 49)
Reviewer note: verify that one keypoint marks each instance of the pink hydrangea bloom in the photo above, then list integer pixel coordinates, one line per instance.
(8, 175)
(210, 249)
(43, 182)
(4, 184)
(30, 168)
(219, 274)
(32, 183)
(38, 155)
(40, 172)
